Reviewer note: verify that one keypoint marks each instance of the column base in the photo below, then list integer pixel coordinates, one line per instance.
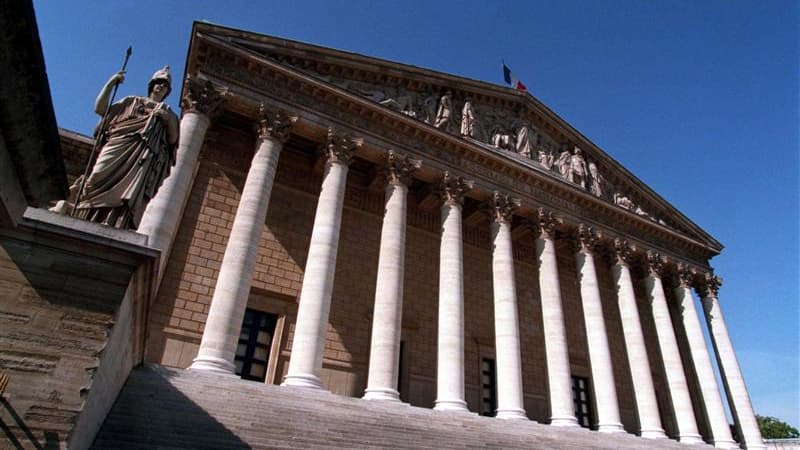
(514, 413)
(610, 428)
(564, 421)
(691, 439)
(656, 433)
(451, 405)
(303, 380)
(213, 364)
(726, 444)
(384, 394)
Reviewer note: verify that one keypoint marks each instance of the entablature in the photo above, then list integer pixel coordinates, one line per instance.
(253, 78)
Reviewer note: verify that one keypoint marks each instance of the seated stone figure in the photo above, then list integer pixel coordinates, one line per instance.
(137, 145)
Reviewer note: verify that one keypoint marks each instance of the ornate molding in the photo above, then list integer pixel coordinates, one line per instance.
(399, 168)
(340, 148)
(501, 207)
(452, 188)
(274, 124)
(202, 96)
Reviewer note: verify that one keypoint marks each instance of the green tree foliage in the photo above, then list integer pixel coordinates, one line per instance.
(772, 428)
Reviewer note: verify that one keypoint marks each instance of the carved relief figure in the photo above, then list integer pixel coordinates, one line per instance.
(623, 201)
(524, 142)
(546, 159)
(444, 113)
(503, 139)
(596, 187)
(577, 169)
(563, 163)
(467, 119)
(137, 150)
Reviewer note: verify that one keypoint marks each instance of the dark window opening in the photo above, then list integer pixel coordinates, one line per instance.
(488, 387)
(582, 401)
(255, 340)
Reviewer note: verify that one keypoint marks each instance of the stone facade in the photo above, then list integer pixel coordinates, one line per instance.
(401, 253)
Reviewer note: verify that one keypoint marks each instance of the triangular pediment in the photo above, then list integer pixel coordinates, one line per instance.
(498, 119)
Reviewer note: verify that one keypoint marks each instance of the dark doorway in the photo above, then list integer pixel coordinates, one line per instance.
(255, 341)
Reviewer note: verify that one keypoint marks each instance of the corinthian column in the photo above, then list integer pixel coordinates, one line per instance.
(608, 419)
(701, 359)
(164, 212)
(506, 319)
(643, 390)
(308, 344)
(738, 397)
(562, 412)
(384, 355)
(450, 348)
(221, 333)
(670, 354)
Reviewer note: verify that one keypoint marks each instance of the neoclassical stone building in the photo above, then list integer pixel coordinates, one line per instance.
(340, 222)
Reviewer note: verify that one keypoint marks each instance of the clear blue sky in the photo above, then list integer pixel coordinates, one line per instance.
(699, 99)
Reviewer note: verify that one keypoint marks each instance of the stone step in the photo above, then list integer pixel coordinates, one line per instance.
(179, 409)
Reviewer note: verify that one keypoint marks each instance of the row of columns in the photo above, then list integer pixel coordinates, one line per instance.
(218, 345)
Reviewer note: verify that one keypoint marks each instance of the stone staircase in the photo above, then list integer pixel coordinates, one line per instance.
(181, 409)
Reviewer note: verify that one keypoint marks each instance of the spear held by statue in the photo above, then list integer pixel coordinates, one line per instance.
(101, 126)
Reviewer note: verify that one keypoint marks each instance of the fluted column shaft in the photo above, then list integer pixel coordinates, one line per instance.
(450, 343)
(384, 355)
(605, 390)
(738, 398)
(670, 354)
(701, 359)
(510, 404)
(308, 344)
(643, 389)
(562, 412)
(164, 212)
(225, 315)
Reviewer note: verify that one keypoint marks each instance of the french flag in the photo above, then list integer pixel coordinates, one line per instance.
(512, 80)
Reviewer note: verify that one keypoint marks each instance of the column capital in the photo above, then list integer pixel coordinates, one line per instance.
(656, 264)
(452, 188)
(399, 168)
(202, 96)
(622, 252)
(339, 148)
(274, 123)
(544, 226)
(709, 285)
(501, 207)
(685, 275)
(586, 239)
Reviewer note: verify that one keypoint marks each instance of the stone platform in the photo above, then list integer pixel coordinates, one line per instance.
(170, 408)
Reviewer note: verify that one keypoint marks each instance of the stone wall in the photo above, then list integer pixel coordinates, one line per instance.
(62, 283)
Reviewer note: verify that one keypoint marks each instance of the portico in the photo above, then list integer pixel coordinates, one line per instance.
(405, 262)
